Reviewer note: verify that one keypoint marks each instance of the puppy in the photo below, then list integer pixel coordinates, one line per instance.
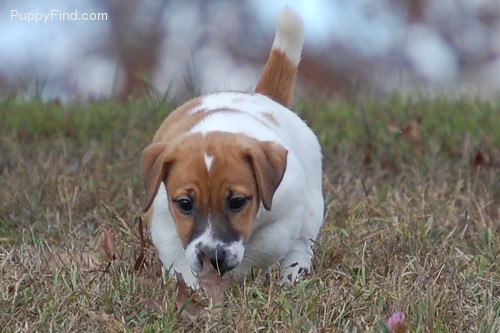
(237, 176)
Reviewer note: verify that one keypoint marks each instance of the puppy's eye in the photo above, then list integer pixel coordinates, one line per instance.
(185, 205)
(237, 203)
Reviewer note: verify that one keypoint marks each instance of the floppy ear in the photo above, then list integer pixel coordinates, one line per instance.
(269, 165)
(156, 160)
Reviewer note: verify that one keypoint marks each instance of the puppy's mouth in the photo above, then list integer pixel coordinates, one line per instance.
(218, 258)
(222, 257)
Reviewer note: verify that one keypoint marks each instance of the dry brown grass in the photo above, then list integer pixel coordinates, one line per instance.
(412, 225)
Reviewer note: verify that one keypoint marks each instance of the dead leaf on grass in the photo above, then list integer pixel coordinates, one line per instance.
(489, 159)
(480, 159)
(155, 304)
(411, 132)
(186, 302)
(211, 283)
(140, 261)
(108, 243)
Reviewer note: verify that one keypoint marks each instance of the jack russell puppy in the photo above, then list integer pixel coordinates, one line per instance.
(237, 176)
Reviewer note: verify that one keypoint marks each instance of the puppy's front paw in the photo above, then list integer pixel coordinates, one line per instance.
(292, 273)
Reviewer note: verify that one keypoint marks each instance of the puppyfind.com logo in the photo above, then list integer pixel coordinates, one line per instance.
(55, 15)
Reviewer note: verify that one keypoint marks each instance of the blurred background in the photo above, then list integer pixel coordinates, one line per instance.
(178, 48)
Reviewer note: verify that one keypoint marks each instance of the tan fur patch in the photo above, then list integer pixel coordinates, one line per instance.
(210, 190)
(179, 122)
(277, 80)
(182, 119)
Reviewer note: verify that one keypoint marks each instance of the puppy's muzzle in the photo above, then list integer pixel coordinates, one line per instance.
(218, 258)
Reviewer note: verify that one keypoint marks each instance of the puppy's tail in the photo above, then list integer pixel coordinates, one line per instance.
(277, 80)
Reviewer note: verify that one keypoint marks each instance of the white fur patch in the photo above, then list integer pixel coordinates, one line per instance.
(208, 160)
(289, 35)
(167, 242)
(249, 120)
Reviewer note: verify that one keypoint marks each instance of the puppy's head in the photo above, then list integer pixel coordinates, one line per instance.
(215, 184)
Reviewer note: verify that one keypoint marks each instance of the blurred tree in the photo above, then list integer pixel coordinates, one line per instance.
(137, 34)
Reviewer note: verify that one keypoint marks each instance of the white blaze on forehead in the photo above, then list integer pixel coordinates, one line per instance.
(208, 160)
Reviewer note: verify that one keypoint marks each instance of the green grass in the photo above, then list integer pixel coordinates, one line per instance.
(412, 224)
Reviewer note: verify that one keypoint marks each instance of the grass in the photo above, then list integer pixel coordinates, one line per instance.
(412, 224)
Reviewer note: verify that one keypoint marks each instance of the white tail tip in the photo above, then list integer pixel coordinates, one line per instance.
(289, 34)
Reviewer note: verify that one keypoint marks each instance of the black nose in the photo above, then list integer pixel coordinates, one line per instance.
(217, 257)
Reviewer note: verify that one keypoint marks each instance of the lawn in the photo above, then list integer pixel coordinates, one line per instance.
(412, 186)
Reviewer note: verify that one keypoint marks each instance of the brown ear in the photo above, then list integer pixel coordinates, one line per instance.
(154, 166)
(269, 165)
